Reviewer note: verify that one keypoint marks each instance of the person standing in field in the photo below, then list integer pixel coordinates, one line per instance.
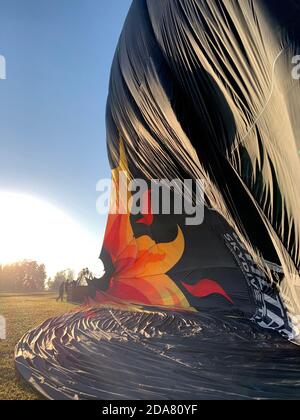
(61, 292)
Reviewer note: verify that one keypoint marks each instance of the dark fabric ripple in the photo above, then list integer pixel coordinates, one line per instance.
(125, 354)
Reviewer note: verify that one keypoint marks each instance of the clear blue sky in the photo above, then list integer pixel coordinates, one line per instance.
(52, 105)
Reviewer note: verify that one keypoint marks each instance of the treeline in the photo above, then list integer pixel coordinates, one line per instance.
(24, 276)
(68, 276)
(29, 276)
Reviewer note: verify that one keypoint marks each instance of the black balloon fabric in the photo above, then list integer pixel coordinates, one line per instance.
(202, 90)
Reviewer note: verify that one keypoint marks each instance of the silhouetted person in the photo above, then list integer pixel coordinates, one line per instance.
(61, 292)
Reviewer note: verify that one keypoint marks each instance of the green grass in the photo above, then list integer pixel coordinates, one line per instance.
(22, 313)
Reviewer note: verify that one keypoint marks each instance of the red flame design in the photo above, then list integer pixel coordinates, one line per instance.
(207, 287)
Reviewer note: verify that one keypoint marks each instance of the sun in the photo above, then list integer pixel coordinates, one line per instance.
(33, 229)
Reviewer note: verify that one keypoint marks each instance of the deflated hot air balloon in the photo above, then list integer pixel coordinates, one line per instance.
(200, 90)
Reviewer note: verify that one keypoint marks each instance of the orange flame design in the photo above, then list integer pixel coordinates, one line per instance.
(140, 264)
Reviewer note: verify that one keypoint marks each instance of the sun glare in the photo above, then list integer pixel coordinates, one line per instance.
(36, 230)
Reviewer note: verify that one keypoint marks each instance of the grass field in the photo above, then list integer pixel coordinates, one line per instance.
(22, 312)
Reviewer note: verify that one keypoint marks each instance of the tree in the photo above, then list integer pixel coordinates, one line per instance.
(24, 276)
(34, 276)
(60, 277)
